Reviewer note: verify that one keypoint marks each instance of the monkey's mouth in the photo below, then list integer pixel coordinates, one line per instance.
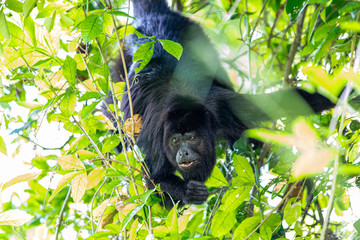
(187, 164)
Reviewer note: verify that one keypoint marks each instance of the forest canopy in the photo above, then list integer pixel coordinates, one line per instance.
(299, 179)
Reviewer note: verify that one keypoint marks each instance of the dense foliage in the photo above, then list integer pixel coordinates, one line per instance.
(299, 184)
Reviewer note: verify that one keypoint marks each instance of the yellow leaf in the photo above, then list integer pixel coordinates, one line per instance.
(108, 124)
(89, 85)
(305, 137)
(84, 154)
(133, 229)
(95, 177)
(14, 217)
(70, 162)
(99, 210)
(312, 161)
(63, 182)
(79, 186)
(21, 178)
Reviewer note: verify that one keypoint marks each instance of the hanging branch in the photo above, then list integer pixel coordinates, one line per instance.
(294, 47)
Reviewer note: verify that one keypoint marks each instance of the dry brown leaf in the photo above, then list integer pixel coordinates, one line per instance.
(135, 122)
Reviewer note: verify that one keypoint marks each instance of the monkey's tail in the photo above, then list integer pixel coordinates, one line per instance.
(145, 7)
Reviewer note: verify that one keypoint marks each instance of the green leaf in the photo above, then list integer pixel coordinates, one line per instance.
(2, 146)
(14, 5)
(69, 70)
(29, 27)
(172, 223)
(87, 110)
(265, 233)
(172, 47)
(8, 98)
(294, 8)
(223, 222)
(65, 20)
(110, 143)
(4, 30)
(1, 54)
(244, 170)
(119, 13)
(349, 169)
(91, 27)
(49, 22)
(195, 222)
(68, 103)
(236, 198)
(350, 25)
(89, 95)
(292, 211)
(246, 227)
(357, 226)
(144, 54)
(17, 35)
(216, 179)
(46, 12)
(28, 7)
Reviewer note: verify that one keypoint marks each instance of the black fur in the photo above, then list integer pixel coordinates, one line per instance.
(191, 95)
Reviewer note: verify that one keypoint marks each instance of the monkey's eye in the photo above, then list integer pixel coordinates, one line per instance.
(192, 138)
(176, 140)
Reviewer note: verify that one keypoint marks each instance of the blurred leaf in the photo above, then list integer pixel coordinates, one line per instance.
(357, 226)
(292, 211)
(132, 233)
(4, 30)
(29, 27)
(119, 13)
(65, 180)
(350, 25)
(14, 5)
(294, 8)
(236, 198)
(68, 103)
(70, 162)
(69, 70)
(91, 27)
(87, 110)
(49, 22)
(79, 186)
(223, 222)
(110, 143)
(2, 146)
(172, 222)
(14, 218)
(21, 178)
(28, 7)
(246, 227)
(94, 177)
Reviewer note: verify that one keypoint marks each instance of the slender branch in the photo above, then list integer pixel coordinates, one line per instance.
(92, 204)
(113, 160)
(44, 148)
(294, 47)
(61, 214)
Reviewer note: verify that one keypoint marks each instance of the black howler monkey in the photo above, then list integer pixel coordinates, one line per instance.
(187, 105)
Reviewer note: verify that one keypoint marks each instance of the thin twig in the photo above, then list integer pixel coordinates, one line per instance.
(61, 214)
(294, 47)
